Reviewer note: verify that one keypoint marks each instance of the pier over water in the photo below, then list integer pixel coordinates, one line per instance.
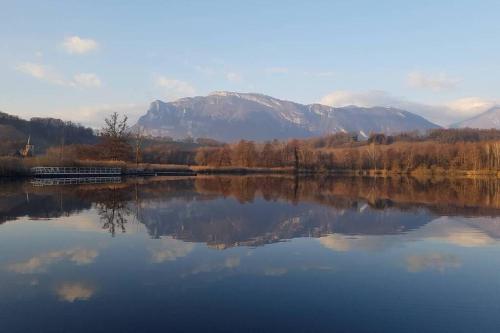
(75, 171)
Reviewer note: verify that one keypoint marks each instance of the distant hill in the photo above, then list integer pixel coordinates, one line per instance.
(44, 132)
(230, 116)
(485, 120)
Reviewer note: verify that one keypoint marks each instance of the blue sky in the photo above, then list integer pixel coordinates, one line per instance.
(80, 60)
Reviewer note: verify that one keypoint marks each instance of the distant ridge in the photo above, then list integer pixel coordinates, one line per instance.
(230, 116)
(486, 120)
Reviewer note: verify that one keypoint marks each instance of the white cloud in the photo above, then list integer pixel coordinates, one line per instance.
(175, 88)
(78, 45)
(233, 77)
(87, 80)
(433, 82)
(342, 98)
(442, 114)
(48, 74)
(41, 72)
(94, 115)
(471, 106)
(278, 70)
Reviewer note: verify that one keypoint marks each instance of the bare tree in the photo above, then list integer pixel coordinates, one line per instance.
(138, 138)
(115, 127)
(115, 135)
(372, 155)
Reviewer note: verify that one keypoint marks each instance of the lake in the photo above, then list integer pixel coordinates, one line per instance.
(250, 254)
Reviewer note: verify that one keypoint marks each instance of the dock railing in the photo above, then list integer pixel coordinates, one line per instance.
(74, 171)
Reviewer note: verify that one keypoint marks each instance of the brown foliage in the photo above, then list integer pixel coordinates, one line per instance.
(404, 153)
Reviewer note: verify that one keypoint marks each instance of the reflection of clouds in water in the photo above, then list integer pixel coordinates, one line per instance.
(432, 261)
(74, 291)
(260, 266)
(343, 243)
(455, 231)
(169, 249)
(336, 242)
(41, 262)
(229, 263)
(232, 262)
(83, 256)
(87, 221)
(275, 271)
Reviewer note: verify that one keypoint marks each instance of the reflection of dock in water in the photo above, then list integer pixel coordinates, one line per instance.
(74, 172)
(74, 181)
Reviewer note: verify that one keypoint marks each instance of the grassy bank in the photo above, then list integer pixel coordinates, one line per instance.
(240, 170)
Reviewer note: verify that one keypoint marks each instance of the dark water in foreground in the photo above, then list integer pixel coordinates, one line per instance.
(234, 254)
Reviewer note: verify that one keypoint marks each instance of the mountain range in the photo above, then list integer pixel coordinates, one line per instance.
(230, 116)
(485, 120)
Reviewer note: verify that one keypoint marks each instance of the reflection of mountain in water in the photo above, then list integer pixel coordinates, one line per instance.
(224, 222)
(254, 210)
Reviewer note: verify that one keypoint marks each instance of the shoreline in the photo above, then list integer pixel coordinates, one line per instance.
(184, 170)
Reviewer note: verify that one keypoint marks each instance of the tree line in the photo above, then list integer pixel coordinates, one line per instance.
(436, 150)
(466, 150)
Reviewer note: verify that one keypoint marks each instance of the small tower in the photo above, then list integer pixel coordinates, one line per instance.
(28, 150)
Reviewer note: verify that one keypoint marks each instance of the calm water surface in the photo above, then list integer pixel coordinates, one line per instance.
(235, 254)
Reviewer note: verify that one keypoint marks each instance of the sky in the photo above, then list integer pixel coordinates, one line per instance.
(81, 60)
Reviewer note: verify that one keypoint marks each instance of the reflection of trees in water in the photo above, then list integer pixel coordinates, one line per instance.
(21, 199)
(113, 210)
(119, 204)
(470, 196)
(168, 206)
(395, 205)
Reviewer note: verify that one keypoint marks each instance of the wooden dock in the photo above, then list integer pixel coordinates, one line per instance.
(74, 172)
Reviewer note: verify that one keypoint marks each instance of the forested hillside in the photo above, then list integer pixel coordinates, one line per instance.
(44, 132)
